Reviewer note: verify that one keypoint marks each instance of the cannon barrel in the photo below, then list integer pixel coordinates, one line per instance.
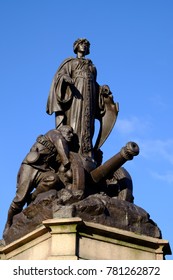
(126, 153)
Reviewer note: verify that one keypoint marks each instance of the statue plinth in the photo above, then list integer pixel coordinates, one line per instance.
(76, 239)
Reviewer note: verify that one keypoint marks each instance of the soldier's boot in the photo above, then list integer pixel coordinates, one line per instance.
(13, 210)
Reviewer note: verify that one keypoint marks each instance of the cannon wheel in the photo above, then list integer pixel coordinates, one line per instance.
(122, 181)
(78, 172)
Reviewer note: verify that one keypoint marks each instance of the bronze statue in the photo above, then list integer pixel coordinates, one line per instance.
(49, 155)
(65, 159)
(77, 99)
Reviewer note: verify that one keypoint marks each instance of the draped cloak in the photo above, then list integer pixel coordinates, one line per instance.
(77, 104)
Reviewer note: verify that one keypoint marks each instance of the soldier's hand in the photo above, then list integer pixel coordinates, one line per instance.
(63, 168)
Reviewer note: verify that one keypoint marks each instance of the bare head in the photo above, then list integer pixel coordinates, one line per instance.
(81, 45)
(67, 132)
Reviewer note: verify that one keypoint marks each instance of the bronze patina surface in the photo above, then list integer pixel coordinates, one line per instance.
(63, 174)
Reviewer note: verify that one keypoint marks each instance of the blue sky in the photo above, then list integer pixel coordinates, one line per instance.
(132, 48)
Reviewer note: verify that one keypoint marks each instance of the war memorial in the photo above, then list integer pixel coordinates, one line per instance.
(69, 204)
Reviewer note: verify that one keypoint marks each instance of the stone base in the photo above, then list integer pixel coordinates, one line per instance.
(75, 239)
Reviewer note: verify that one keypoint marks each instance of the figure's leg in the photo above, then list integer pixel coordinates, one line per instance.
(45, 182)
(25, 180)
(14, 209)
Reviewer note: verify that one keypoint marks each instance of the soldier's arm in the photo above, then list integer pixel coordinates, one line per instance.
(61, 146)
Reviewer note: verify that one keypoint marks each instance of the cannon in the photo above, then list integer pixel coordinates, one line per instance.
(86, 174)
(126, 153)
(109, 177)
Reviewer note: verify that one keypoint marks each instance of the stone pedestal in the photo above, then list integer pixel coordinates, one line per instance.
(75, 239)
